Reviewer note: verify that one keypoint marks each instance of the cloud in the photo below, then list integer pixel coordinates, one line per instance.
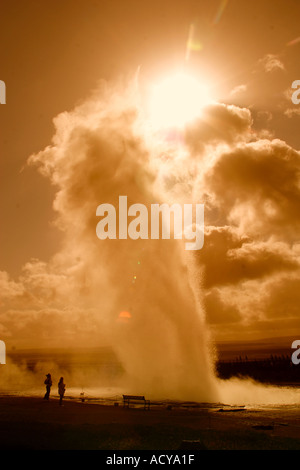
(290, 112)
(220, 312)
(230, 258)
(219, 123)
(252, 235)
(9, 288)
(255, 186)
(238, 90)
(271, 63)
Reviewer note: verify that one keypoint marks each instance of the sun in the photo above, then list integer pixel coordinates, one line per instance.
(177, 100)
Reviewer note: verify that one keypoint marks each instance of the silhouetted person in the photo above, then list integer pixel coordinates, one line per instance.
(61, 389)
(48, 383)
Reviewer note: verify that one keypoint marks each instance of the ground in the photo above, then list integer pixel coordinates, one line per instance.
(32, 423)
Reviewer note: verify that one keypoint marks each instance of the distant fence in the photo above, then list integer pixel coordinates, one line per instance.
(2, 352)
(275, 369)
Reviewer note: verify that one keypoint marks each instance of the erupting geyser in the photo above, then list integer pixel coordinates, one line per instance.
(99, 153)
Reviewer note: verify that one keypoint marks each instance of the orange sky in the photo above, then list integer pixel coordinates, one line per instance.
(53, 54)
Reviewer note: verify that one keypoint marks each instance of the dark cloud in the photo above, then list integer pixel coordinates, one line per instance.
(256, 185)
(218, 123)
(230, 258)
(218, 312)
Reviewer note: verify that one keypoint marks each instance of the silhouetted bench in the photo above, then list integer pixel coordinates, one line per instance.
(136, 399)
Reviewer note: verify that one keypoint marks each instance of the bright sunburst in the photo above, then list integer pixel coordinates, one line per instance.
(177, 100)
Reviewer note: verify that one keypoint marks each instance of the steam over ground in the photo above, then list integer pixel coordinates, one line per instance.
(154, 302)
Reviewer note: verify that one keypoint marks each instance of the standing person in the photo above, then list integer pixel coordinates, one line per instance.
(48, 383)
(61, 389)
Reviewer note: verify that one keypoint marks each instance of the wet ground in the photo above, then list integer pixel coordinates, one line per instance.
(32, 423)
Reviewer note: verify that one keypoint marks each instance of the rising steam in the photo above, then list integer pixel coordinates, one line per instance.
(99, 152)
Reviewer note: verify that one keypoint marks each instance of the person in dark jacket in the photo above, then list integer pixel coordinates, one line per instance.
(61, 389)
(48, 383)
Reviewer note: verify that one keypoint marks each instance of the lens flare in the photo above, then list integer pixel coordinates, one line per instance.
(220, 11)
(124, 316)
(177, 100)
(193, 43)
(293, 42)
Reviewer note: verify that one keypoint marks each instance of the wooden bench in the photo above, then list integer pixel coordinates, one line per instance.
(137, 399)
